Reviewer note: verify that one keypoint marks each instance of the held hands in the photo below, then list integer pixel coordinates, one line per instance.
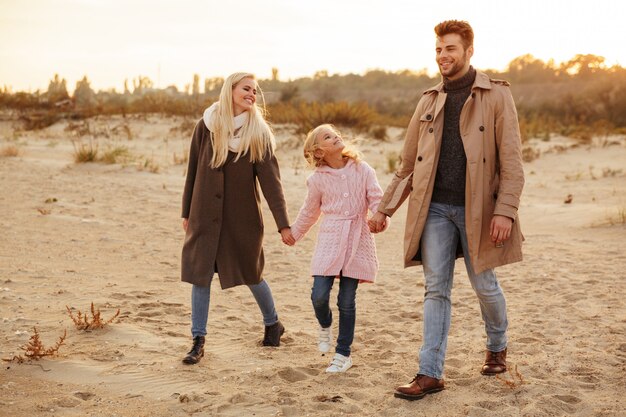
(378, 222)
(185, 224)
(500, 229)
(287, 237)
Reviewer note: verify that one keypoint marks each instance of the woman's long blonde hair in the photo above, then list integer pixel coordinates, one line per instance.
(310, 146)
(257, 137)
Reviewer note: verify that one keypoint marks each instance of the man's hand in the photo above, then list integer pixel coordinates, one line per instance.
(185, 224)
(288, 238)
(377, 222)
(500, 229)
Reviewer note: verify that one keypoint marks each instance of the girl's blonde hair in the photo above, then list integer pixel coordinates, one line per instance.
(310, 146)
(256, 135)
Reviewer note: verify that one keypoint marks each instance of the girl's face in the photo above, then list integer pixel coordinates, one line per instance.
(329, 143)
(244, 96)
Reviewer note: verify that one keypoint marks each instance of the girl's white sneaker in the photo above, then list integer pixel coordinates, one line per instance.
(340, 363)
(324, 340)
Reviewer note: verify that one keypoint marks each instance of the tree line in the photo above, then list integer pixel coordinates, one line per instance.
(582, 97)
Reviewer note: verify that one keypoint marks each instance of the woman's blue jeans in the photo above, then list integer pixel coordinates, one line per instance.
(346, 302)
(444, 227)
(201, 296)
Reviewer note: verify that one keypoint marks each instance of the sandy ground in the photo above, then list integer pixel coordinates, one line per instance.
(113, 237)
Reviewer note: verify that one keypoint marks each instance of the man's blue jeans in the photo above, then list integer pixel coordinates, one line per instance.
(444, 227)
(201, 296)
(346, 302)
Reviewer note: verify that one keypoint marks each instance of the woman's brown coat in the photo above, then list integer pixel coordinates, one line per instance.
(225, 231)
(494, 174)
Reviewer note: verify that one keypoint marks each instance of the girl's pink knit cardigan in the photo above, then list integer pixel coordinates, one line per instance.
(344, 241)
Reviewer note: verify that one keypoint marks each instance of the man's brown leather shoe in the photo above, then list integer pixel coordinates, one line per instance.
(495, 363)
(419, 387)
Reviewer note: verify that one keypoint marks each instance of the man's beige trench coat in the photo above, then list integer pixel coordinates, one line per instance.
(494, 176)
(225, 223)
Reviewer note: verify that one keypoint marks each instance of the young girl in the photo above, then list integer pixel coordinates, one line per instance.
(342, 187)
(231, 151)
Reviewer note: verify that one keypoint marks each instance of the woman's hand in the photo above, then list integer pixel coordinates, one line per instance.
(288, 238)
(185, 224)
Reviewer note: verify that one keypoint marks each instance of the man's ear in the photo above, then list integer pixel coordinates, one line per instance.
(470, 51)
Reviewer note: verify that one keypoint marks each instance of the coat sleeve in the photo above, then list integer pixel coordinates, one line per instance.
(373, 191)
(400, 186)
(309, 212)
(268, 173)
(508, 142)
(192, 167)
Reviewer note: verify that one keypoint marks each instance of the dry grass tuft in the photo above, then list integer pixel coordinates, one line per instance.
(116, 155)
(515, 381)
(617, 219)
(393, 161)
(10, 151)
(85, 152)
(35, 349)
(83, 322)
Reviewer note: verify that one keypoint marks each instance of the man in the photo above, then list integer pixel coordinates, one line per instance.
(462, 173)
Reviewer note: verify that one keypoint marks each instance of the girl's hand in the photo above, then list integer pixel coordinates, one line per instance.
(378, 222)
(288, 238)
(185, 224)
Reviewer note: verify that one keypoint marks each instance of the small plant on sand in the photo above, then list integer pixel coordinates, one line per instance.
(85, 152)
(393, 159)
(515, 381)
(83, 322)
(116, 155)
(149, 165)
(9, 151)
(35, 350)
(617, 219)
(379, 132)
(180, 160)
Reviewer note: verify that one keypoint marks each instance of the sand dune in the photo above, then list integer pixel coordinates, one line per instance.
(113, 237)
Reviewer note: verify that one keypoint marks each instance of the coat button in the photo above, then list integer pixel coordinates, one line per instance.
(216, 220)
(419, 158)
(218, 195)
(482, 128)
(430, 130)
(429, 117)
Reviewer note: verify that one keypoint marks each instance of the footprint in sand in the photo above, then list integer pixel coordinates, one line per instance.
(297, 374)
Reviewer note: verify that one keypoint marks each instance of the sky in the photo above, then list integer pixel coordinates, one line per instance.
(169, 41)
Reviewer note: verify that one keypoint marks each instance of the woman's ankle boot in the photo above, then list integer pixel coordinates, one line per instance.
(273, 334)
(197, 351)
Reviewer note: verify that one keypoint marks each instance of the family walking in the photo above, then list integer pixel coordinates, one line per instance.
(461, 173)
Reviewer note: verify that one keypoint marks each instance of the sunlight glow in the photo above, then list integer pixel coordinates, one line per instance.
(110, 41)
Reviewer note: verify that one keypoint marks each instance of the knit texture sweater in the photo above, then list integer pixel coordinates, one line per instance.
(450, 180)
(344, 242)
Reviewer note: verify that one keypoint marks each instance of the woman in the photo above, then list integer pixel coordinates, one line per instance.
(232, 148)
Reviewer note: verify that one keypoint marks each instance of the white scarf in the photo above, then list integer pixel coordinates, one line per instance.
(239, 121)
